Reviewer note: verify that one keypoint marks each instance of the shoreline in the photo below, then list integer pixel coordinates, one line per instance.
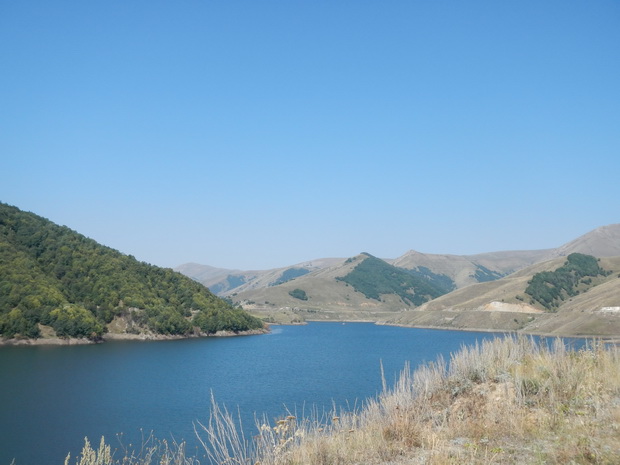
(606, 339)
(57, 341)
(146, 337)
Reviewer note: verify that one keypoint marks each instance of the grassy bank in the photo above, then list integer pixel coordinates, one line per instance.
(505, 401)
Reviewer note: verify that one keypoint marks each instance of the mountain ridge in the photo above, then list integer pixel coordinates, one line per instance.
(600, 242)
(480, 298)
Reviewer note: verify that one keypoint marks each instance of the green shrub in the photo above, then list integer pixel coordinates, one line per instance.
(298, 294)
(236, 320)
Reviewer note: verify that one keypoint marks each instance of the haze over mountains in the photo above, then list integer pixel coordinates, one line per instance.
(462, 269)
(419, 289)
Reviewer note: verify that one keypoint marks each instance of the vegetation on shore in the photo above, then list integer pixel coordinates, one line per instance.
(53, 276)
(505, 401)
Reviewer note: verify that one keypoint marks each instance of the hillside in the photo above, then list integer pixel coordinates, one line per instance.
(224, 282)
(361, 288)
(601, 242)
(56, 282)
(204, 274)
(505, 305)
(478, 281)
(464, 270)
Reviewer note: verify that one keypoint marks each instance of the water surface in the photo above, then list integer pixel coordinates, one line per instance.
(52, 397)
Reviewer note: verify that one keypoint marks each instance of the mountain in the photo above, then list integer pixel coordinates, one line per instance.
(478, 281)
(363, 287)
(224, 282)
(352, 289)
(54, 281)
(204, 273)
(460, 270)
(590, 307)
(464, 270)
(601, 242)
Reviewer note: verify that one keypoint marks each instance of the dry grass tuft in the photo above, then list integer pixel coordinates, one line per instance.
(502, 401)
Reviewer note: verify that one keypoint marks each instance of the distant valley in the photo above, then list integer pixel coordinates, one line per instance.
(483, 291)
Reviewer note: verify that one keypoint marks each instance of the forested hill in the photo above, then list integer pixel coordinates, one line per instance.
(53, 276)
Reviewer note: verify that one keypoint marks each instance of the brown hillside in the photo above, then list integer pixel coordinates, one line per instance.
(601, 242)
(494, 305)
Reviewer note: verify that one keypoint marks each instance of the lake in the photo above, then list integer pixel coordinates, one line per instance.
(52, 397)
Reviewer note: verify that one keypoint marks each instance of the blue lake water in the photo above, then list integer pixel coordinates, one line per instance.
(52, 397)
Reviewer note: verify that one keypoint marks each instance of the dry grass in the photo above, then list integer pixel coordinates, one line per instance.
(507, 401)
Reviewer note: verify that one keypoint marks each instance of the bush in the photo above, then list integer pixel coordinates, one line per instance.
(75, 321)
(166, 320)
(298, 294)
(236, 320)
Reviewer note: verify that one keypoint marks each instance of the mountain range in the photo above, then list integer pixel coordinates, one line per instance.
(483, 291)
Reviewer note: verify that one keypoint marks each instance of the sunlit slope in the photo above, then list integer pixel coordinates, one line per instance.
(505, 305)
(600, 242)
(493, 302)
(360, 288)
(484, 291)
(224, 282)
(470, 269)
(326, 297)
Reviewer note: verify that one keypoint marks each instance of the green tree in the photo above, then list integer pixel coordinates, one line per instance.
(74, 321)
(14, 324)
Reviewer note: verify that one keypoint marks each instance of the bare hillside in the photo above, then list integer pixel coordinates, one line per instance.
(204, 273)
(224, 282)
(503, 305)
(470, 269)
(601, 242)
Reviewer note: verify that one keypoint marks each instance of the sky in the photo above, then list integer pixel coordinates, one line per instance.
(251, 134)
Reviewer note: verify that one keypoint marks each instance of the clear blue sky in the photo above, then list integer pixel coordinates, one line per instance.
(258, 134)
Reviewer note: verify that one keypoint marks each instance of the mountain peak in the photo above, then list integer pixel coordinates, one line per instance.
(600, 242)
